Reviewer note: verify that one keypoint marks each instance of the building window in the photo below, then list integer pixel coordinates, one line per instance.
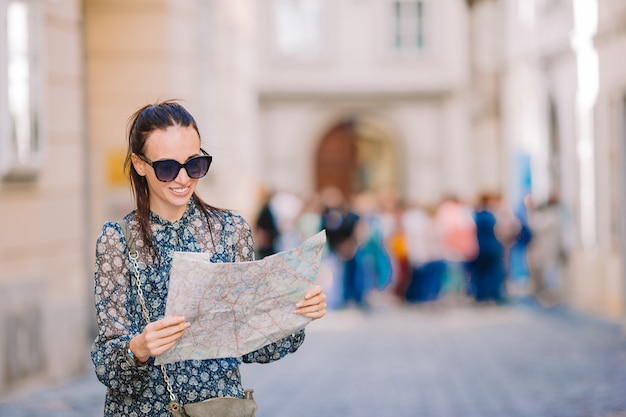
(20, 139)
(409, 27)
(298, 27)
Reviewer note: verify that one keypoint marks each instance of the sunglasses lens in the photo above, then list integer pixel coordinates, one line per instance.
(198, 167)
(166, 170)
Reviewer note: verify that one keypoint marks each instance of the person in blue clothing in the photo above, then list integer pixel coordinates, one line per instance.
(165, 162)
(487, 269)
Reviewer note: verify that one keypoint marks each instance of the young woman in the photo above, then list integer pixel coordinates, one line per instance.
(165, 162)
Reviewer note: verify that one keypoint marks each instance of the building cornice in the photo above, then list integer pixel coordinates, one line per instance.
(353, 95)
(472, 3)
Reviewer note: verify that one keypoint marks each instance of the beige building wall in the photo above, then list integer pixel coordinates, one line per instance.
(136, 53)
(597, 282)
(44, 278)
(195, 51)
(610, 42)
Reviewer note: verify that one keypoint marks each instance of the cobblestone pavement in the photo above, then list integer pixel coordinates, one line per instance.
(509, 361)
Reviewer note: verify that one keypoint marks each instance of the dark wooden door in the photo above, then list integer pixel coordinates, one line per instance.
(337, 159)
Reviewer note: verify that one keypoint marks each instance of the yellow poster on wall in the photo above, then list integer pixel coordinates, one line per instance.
(115, 168)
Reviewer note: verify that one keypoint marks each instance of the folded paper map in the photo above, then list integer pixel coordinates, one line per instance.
(237, 308)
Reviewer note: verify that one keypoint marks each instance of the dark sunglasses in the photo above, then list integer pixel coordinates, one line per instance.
(167, 170)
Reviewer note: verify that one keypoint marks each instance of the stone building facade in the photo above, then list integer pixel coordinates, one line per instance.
(43, 206)
(393, 75)
(561, 106)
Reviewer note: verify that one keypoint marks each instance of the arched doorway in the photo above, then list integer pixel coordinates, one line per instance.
(356, 156)
(336, 158)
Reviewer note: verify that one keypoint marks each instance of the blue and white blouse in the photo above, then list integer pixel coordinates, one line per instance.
(140, 390)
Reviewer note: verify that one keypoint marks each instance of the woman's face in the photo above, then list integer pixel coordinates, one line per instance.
(169, 199)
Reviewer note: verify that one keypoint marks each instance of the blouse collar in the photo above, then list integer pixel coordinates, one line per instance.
(180, 223)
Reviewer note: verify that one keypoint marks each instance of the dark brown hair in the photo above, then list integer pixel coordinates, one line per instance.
(142, 123)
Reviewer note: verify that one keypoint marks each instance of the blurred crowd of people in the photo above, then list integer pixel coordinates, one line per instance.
(454, 252)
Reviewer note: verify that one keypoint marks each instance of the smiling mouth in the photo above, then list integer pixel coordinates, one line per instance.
(180, 190)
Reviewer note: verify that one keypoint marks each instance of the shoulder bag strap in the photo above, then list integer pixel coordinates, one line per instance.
(133, 255)
(130, 242)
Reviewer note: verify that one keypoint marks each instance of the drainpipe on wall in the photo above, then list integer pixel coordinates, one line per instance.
(92, 327)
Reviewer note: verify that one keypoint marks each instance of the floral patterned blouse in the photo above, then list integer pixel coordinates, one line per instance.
(140, 390)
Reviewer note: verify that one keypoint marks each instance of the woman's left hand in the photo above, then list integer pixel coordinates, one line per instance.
(313, 305)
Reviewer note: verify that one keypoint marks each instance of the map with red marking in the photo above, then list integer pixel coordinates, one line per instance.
(237, 308)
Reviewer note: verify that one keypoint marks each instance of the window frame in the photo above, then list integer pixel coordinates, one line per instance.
(421, 28)
(28, 165)
(318, 53)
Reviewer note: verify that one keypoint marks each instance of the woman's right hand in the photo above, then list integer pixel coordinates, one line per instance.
(158, 337)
